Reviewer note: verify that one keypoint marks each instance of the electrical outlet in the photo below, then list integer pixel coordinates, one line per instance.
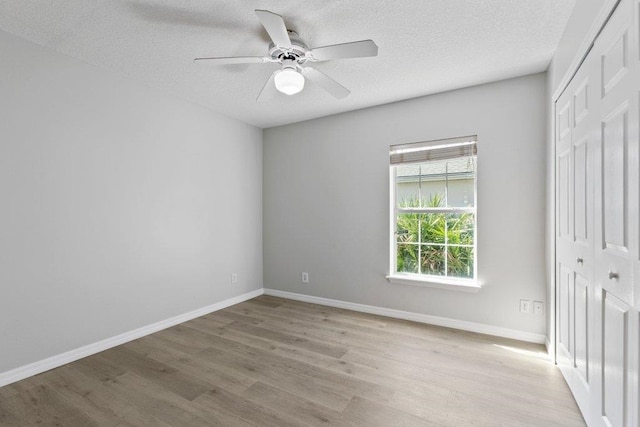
(538, 308)
(234, 278)
(305, 277)
(525, 306)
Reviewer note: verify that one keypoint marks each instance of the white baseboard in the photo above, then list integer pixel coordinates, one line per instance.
(415, 317)
(35, 368)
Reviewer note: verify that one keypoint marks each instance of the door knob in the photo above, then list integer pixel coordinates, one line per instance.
(613, 275)
(579, 260)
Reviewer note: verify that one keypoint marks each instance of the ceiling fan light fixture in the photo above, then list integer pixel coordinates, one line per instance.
(289, 81)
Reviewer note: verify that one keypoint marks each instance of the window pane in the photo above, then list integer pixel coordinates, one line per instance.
(460, 261)
(432, 227)
(460, 229)
(407, 258)
(407, 186)
(460, 182)
(432, 260)
(407, 228)
(461, 193)
(420, 185)
(433, 183)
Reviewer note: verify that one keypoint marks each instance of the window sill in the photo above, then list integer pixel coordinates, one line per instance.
(463, 285)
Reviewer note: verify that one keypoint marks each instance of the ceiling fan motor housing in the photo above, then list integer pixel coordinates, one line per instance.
(297, 51)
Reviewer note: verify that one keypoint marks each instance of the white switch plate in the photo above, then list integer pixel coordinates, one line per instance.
(525, 306)
(538, 308)
(234, 278)
(305, 277)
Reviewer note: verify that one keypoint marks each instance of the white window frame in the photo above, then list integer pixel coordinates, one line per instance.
(435, 281)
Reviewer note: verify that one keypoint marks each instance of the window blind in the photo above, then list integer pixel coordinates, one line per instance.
(440, 149)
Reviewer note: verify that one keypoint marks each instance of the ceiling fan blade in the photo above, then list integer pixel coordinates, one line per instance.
(269, 86)
(345, 50)
(231, 60)
(325, 82)
(274, 24)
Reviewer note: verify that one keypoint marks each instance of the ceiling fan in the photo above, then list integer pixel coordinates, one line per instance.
(292, 53)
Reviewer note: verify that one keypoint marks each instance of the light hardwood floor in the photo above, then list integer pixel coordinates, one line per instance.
(276, 362)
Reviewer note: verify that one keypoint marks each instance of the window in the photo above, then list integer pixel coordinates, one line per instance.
(433, 215)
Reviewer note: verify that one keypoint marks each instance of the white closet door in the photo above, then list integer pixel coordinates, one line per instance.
(614, 161)
(598, 225)
(577, 137)
(616, 214)
(583, 146)
(564, 265)
(634, 141)
(563, 232)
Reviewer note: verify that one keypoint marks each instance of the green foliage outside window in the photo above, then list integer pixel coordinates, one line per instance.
(434, 243)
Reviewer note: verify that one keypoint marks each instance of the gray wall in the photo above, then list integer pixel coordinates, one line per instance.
(326, 201)
(120, 206)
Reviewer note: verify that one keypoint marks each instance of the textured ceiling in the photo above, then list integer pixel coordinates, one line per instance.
(425, 46)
